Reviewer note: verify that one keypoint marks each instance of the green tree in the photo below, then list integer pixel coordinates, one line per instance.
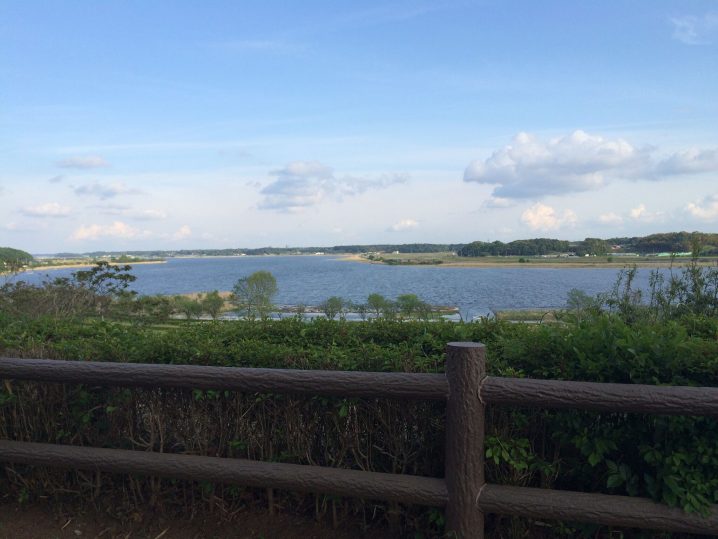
(154, 308)
(190, 308)
(106, 281)
(376, 303)
(408, 304)
(332, 306)
(12, 260)
(580, 304)
(252, 295)
(212, 304)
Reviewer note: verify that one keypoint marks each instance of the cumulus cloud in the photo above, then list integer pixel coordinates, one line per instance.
(706, 209)
(86, 162)
(691, 161)
(543, 217)
(695, 30)
(50, 209)
(182, 233)
(103, 191)
(532, 168)
(610, 219)
(302, 184)
(641, 213)
(117, 229)
(404, 224)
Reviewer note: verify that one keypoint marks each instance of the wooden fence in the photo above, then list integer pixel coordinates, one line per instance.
(465, 388)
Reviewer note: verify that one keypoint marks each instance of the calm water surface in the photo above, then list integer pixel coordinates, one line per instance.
(310, 280)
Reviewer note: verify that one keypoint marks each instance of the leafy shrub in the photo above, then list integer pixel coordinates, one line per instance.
(670, 459)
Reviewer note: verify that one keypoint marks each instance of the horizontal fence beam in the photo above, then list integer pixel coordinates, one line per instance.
(601, 397)
(518, 501)
(603, 509)
(349, 384)
(352, 483)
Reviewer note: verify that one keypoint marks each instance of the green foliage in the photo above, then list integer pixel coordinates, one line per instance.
(671, 339)
(332, 306)
(410, 305)
(212, 304)
(12, 260)
(376, 303)
(253, 294)
(188, 307)
(592, 246)
(105, 279)
(151, 308)
(538, 246)
(579, 304)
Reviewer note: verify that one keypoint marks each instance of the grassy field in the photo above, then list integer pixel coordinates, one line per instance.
(450, 259)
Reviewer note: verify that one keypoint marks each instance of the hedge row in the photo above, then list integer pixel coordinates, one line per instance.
(673, 460)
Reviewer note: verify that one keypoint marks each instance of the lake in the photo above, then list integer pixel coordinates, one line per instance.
(309, 280)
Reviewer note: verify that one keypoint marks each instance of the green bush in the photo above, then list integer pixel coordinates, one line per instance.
(671, 459)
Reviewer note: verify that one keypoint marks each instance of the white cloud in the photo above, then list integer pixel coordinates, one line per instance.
(543, 217)
(532, 168)
(87, 162)
(706, 209)
(56, 179)
(498, 202)
(105, 191)
(182, 233)
(695, 30)
(610, 219)
(691, 161)
(50, 209)
(302, 184)
(641, 213)
(404, 224)
(117, 229)
(123, 210)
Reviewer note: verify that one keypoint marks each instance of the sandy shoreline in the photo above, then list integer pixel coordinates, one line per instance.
(88, 265)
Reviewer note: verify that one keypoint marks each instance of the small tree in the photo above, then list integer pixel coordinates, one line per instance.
(190, 308)
(212, 304)
(106, 281)
(332, 307)
(376, 303)
(252, 295)
(154, 308)
(580, 304)
(408, 304)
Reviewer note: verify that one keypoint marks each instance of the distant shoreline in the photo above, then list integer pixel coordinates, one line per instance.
(535, 263)
(88, 265)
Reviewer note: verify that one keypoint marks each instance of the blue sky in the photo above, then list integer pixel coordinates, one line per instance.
(141, 125)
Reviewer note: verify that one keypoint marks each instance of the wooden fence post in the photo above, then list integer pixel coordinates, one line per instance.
(465, 369)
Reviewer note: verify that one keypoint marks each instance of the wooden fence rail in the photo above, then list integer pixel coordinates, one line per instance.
(466, 389)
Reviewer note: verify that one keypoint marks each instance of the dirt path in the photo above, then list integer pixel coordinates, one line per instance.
(42, 522)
